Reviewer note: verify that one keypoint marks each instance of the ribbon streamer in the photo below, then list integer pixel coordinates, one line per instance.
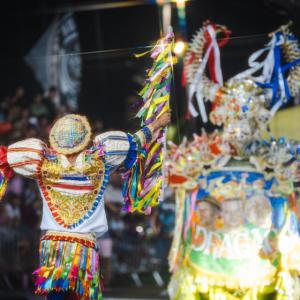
(272, 71)
(143, 183)
(212, 58)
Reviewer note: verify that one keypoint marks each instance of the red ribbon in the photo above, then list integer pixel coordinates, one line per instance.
(190, 61)
(4, 166)
(221, 42)
(211, 60)
(292, 200)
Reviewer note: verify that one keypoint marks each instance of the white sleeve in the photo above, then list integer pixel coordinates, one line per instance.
(116, 146)
(25, 157)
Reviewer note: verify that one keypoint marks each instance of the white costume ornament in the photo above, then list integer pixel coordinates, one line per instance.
(236, 234)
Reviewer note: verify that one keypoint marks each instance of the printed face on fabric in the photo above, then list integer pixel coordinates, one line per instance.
(232, 213)
(234, 230)
(258, 211)
(206, 213)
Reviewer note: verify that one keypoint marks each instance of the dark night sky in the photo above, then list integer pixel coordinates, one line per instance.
(107, 77)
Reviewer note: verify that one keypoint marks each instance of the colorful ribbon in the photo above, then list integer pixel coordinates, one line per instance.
(212, 58)
(272, 71)
(144, 181)
(68, 267)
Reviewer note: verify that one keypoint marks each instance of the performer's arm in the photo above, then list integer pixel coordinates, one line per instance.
(25, 157)
(121, 147)
(149, 133)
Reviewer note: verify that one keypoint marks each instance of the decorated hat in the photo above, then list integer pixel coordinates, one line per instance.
(70, 134)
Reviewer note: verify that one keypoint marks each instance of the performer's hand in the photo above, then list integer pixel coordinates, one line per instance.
(162, 121)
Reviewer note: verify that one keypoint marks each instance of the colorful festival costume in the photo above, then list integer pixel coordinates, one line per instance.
(236, 233)
(72, 193)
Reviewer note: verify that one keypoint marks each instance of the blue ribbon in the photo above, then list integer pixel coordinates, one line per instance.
(131, 157)
(278, 215)
(279, 70)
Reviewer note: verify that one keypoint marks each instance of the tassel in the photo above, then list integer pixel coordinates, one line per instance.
(77, 274)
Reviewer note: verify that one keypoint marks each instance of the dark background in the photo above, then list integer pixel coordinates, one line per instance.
(108, 77)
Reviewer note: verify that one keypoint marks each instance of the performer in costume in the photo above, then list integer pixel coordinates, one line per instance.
(236, 235)
(72, 176)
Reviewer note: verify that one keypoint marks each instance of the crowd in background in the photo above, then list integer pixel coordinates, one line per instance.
(133, 242)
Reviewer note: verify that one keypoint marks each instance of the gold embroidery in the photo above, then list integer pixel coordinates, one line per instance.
(72, 207)
(87, 236)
